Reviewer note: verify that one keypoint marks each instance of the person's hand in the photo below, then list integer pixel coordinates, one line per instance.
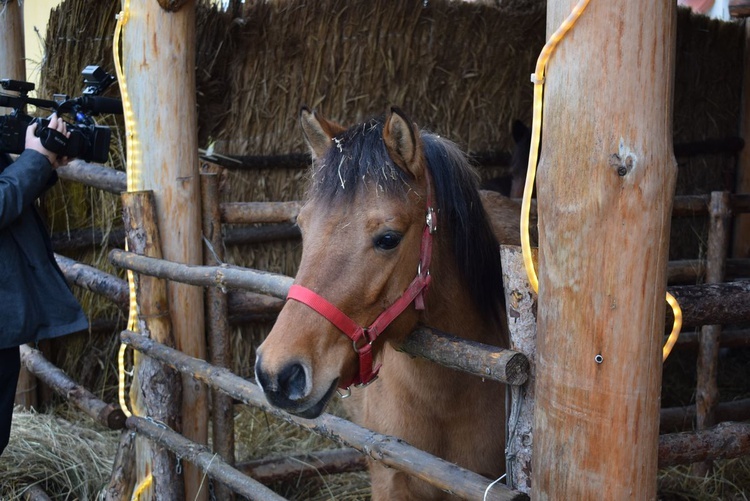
(35, 143)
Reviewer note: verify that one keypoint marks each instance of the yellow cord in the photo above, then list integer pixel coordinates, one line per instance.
(122, 18)
(142, 486)
(536, 128)
(676, 326)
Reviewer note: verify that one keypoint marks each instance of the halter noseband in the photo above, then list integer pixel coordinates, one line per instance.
(363, 337)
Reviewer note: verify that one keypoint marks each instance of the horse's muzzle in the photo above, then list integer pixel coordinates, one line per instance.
(289, 389)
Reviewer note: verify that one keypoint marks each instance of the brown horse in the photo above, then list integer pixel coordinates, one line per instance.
(394, 235)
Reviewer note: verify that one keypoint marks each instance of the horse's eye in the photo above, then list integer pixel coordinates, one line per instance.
(388, 241)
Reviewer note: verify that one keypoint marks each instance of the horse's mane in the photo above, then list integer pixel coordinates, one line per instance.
(359, 154)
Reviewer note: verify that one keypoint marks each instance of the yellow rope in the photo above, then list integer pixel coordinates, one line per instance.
(536, 128)
(133, 163)
(122, 18)
(142, 486)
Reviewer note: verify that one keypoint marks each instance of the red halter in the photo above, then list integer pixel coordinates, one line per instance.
(363, 337)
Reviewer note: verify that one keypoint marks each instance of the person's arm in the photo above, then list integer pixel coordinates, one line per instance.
(25, 179)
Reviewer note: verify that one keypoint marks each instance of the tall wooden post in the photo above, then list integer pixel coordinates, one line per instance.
(158, 56)
(12, 65)
(12, 48)
(605, 188)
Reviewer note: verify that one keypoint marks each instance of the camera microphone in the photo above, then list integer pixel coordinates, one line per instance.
(97, 105)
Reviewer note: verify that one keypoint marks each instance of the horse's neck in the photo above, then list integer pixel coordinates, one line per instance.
(450, 307)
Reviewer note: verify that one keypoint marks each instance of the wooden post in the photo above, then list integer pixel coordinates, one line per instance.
(219, 340)
(521, 309)
(605, 187)
(158, 57)
(12, 54)
(156, 390)
(12, 48)
(707, 388)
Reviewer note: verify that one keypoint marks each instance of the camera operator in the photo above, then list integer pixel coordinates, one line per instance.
(35, 300)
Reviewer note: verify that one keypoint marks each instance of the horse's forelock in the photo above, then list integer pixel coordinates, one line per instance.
(357, 156)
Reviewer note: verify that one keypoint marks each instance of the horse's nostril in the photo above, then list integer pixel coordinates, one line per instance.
(293, 382)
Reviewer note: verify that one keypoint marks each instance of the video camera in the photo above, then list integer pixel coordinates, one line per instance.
(87, 141)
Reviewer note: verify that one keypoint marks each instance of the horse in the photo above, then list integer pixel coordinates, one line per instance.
(394, 235)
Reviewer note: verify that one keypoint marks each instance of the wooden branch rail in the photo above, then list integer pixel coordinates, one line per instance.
(485, 361)
(309, 464)
(202, 457)
(266, 233)
(729, 339)
(103, 413)
(259, 212)
(723, 441)
(495, 158)
(727, 303)
(207, 276)
(114, 181)
(706, 304)
(693, 205)
(688, 271)
(95, 280)
(482, 360)
(94, 175)
(674, 419)
(82, 238)
(389, 450)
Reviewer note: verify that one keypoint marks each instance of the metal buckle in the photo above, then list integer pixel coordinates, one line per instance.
(343, 395)
(431, 220)
(367, 341)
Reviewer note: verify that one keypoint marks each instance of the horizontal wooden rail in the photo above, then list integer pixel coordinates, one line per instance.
(208, 276)
(259, 212)
(475, 358)
(674, 419)
(114, 181)
(95, 280)
(726, 303)
(723, 441)
(479, 359)
(304, 465)
(108, 415)
(200, 455)
(389, 450)
(689, 271)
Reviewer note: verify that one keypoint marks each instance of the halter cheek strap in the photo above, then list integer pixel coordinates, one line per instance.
(363, 337)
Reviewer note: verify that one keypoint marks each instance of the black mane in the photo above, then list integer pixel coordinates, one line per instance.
(359, 154)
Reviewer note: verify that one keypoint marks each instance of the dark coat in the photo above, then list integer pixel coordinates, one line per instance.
(35, 300)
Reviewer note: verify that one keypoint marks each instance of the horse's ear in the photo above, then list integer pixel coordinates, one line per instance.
(319, 132)
(403, 142)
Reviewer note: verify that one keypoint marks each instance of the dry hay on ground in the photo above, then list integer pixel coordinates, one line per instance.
(67, 460)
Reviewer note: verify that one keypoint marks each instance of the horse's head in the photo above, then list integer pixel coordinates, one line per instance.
(363, 229)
